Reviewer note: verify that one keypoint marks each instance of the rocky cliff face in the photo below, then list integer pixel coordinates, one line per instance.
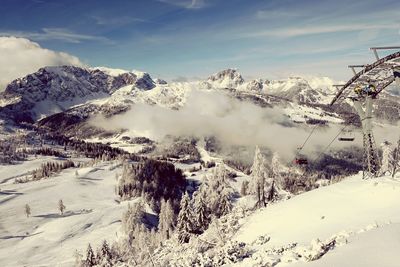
(66, 83)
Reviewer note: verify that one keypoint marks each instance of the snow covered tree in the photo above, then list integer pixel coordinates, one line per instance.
(132, 219)
(90, 257)
(61, 206)
(225, 205)
(219, 192)
(166, 219)
(27, 210)
(105, 255)
(278, 169)
(244, 188)
(260, 171)
(394, 161)
(201, 211)
(184, 222)
(272, 193)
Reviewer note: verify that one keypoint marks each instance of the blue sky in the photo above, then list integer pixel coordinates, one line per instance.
(188, 38)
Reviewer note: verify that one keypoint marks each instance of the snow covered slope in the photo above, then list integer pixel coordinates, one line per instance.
(48, 238)
(348, 212)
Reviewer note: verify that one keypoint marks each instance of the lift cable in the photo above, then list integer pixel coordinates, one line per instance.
(308, 137)
(333, 140)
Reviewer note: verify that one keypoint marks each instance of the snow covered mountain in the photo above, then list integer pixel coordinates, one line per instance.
(52, 90)
(310, 90)
(76, 93)
(229, 78)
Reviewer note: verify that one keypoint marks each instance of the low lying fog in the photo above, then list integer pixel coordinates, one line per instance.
(233, 122)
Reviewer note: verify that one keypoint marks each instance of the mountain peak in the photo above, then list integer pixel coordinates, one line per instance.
(228, 78)
(111, 71)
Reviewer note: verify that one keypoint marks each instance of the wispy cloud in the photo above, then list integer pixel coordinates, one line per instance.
(60, 34)
(188, 4)
(276, 14)
(116, 21)
(312, 30)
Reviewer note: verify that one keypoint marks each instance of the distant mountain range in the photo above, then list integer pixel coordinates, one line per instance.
(64, 97)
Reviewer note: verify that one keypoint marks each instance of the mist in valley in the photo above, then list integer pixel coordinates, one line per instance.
(234, 123)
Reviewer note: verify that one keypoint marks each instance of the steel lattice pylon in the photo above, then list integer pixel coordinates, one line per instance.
(371, 157)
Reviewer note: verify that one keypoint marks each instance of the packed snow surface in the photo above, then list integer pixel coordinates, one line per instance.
(365, 212)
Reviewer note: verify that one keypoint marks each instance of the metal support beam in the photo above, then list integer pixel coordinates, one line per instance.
(352, 68)
(357, 66)
(374, 49)
(375, 53)
(385, 47)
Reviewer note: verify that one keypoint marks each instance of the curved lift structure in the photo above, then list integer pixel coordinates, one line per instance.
(363, 88)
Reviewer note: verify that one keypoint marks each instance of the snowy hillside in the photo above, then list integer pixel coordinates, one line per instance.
(336, 225)
(343, 211)
(48, 238)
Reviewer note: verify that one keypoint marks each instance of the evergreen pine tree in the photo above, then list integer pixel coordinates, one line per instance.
(184, 222)
(260, 171)
(90, 257)
(201, 211)
(162, 224)
(132, 221)
(218, 187)
(272, 193)
(395, 159)
(278, 169)
(225, 205)
(244, 188)
(166, 219)
(105, 255)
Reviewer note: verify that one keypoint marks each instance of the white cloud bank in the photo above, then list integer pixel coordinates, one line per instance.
(233, 122)
(20, 56)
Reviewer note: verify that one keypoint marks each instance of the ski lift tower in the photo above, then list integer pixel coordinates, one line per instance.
(362, 89)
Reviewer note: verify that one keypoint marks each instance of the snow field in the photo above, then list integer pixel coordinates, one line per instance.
(47, 238)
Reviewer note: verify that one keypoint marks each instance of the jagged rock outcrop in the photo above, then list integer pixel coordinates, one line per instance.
(229, 78)
(145, 82)
(160, 81)
(255, 86)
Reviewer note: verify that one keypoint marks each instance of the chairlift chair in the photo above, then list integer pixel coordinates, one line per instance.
(301, 161)
(346, 137)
